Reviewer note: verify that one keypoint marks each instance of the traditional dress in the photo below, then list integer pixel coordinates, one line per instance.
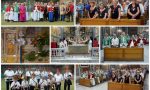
(132, 43)
(16, 10)
(22, 11)
(51, 13)
(5, 12)
(35, 14)
(62, 12)
(11, 14)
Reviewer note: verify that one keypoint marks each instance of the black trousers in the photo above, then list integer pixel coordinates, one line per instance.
(32, 87)
(58, 87)
(8, 83)
(66, 85)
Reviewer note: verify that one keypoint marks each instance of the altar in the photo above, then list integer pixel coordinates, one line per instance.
(123, 54)
(78, 49)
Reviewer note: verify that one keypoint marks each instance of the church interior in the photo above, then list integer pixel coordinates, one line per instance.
(130, 43)
(112, 77)
(25, 44)
(72, 44)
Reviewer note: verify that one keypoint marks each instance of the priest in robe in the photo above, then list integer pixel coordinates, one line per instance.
(123, 40)
(115, 41)
(132, 42)
(106, 41)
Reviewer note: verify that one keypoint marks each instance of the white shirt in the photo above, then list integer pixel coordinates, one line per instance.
(28, 73)
(37, 74)
(90, 45)
(33, 82)
(43, 82)
(25, 83)
(58, 78)
(44, 74)
(67, 74)
(141, 9)
(18, 72)
(9, 74)
(15, 85)
(115, 41)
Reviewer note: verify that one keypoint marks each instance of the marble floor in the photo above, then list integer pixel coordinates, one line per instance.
(146, 57)
(80, 58)
(104, 86)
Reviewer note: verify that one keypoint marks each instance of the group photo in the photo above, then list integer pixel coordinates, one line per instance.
(112, 77)
(124, 44)
(25, 45)
(37, 77)
(74, 44)
(37, 12)
(112, 12)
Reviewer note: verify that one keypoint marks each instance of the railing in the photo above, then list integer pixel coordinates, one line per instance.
(95, 51)
(58, 52)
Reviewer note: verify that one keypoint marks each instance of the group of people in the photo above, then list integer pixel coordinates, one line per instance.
(38, 11)
(124, 40)
(133, 9)
(129, 75)
(97, 76)
(37, 79)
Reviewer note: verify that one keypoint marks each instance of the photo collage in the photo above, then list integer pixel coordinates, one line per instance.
(74, 45)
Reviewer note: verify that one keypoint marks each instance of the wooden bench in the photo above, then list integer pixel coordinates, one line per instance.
(123, 54)
(86, 21)
(85, 82)
(123, 86)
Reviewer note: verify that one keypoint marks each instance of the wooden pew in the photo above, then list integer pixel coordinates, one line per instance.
(85, 82)
(114, 86)
(123, 54)
(86, 21)
(132, 87)
(123, 86)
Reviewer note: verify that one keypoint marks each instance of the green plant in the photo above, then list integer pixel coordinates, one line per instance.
(30, 56)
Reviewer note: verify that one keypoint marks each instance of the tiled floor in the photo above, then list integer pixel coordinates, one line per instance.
(146, 57)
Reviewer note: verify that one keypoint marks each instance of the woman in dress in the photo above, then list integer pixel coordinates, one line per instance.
(134, 11)
(114, 11)
(92, 13)
(22, 11)
(102, 11)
